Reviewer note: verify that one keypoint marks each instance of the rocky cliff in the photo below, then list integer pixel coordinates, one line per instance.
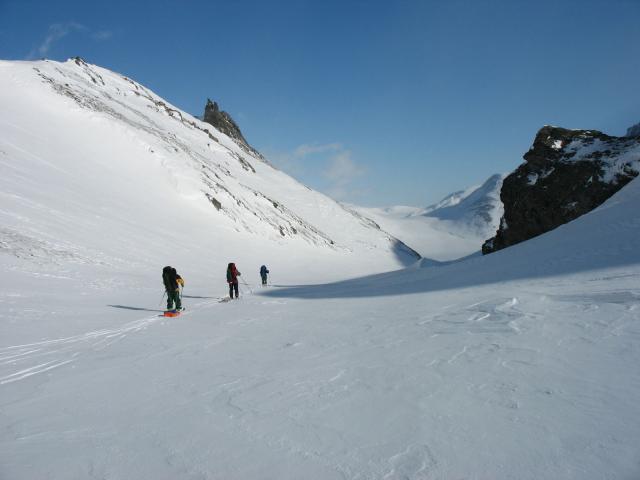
(223, 122)
(566, 173)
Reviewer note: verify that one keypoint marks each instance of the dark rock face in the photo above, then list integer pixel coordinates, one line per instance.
(223, 122)
(566, 173)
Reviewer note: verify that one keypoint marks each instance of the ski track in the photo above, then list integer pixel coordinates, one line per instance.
(271, 413)
(63, 351)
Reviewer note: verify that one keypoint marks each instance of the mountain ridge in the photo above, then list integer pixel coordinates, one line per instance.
(81, 131)
(452, 228)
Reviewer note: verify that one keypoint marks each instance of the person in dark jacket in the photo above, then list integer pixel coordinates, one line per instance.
(232, 279)
(263, 274)
(172, 283)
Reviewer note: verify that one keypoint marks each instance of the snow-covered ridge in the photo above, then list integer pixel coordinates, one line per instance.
(89, 121)
(478, 208)
(452, 228)
(450, 200)
(217, 176)
(616, 157)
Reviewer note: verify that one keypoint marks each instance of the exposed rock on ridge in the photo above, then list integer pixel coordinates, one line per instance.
(235, 190)
(223, 122)
(566, 174)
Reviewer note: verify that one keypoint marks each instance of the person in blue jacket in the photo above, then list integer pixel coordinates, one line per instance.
(263, 274)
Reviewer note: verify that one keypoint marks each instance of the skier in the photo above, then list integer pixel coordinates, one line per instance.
(172, 283)
(263, 274)
(232, 279)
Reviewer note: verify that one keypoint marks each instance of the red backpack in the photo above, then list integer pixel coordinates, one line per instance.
(232, 273)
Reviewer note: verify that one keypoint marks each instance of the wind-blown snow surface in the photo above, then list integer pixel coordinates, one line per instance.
(455, 227)
(520, 364)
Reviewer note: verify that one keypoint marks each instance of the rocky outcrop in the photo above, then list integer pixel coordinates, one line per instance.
(566, 173)
(634, 131)
(223, 122)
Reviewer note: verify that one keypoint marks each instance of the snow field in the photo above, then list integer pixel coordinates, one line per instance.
(500, 381)
(516, 365)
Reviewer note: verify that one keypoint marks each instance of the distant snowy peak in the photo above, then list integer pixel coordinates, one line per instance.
(477, 207)
(452, 228)
(399, 211)
(450, 200)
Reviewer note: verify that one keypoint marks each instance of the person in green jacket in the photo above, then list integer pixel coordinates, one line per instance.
(172, 283)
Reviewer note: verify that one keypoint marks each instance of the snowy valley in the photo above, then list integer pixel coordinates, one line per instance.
(453, 228)
(358, 361)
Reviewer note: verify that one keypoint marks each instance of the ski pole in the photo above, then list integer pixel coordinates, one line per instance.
(247, 285)
(162, 298)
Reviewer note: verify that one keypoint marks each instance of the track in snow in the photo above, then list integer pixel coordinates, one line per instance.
(18, 362)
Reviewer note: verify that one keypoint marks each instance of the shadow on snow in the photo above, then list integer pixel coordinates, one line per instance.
(553, 254)
(135, 308)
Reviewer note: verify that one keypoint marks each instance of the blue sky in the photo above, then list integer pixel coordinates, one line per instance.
(373, 102)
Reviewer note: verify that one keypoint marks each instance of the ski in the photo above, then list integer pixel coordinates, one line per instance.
(173, 313)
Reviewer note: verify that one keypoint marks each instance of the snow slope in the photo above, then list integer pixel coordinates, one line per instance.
(99, 170)
(515, 365)
(518, 364)
(455, 227)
